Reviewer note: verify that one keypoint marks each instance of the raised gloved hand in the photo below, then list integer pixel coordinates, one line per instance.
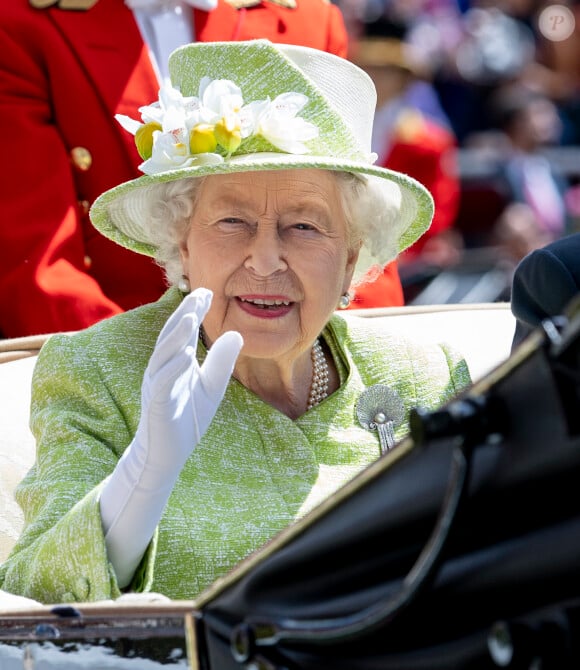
(179, 399)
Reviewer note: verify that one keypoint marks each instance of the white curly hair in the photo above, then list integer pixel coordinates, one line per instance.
(371, 213)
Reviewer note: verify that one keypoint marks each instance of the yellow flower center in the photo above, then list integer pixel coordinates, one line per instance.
(144, 139)
(228, 136)
(202, 139)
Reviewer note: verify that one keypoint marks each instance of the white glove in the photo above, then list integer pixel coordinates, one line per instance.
(178, 402)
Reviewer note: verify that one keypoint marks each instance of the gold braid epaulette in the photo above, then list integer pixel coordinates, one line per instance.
(78, 5)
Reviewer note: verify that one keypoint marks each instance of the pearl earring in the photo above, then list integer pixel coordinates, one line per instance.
(344, 301)
(184, 286)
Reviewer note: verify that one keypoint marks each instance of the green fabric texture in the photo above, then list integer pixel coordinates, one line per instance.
(265, 72)
(254, 472)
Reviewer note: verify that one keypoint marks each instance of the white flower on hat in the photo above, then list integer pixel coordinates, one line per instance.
(223, 105)
(182, 131)
(163, 139)
(278, 123)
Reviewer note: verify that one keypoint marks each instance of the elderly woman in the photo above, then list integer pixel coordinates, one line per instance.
(175, 439)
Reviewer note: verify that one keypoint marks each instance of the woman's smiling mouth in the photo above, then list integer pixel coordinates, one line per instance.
(265, 307)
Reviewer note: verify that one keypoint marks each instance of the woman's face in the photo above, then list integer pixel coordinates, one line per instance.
(273, 247)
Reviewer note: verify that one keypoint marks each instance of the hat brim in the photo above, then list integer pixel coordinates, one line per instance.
(124, 226)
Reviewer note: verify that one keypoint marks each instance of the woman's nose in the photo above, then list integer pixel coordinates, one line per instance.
(265, 254)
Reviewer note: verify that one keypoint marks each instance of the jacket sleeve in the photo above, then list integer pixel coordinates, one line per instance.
(44, 285)
(81, 431)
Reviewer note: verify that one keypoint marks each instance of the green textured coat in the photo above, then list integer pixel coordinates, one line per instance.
(253, 473)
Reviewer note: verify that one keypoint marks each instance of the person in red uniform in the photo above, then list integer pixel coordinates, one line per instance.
(67, 67)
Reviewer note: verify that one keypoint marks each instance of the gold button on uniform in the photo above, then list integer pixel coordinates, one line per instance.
(81, 158)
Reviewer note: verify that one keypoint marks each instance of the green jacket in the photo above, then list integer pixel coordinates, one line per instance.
(253, 473)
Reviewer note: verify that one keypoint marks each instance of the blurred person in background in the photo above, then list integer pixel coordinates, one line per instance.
(536, 194)
(412, 135)
(516, 232)
(67, 67)
(528, 122)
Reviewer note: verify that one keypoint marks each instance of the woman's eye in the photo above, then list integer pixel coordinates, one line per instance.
(231, 222)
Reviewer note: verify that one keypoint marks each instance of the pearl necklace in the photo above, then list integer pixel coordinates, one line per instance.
(320, 374)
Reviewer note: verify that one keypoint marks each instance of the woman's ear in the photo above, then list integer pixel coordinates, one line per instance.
(351, 262)
(184, 255)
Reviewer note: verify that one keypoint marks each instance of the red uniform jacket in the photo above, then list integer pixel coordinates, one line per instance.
(63, 77)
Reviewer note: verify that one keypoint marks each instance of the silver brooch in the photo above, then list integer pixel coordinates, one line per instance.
(380, 408)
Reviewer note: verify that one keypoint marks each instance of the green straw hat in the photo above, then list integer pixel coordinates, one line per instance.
(248, 106)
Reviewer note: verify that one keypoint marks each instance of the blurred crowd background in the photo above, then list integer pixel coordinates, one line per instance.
(480, 101)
